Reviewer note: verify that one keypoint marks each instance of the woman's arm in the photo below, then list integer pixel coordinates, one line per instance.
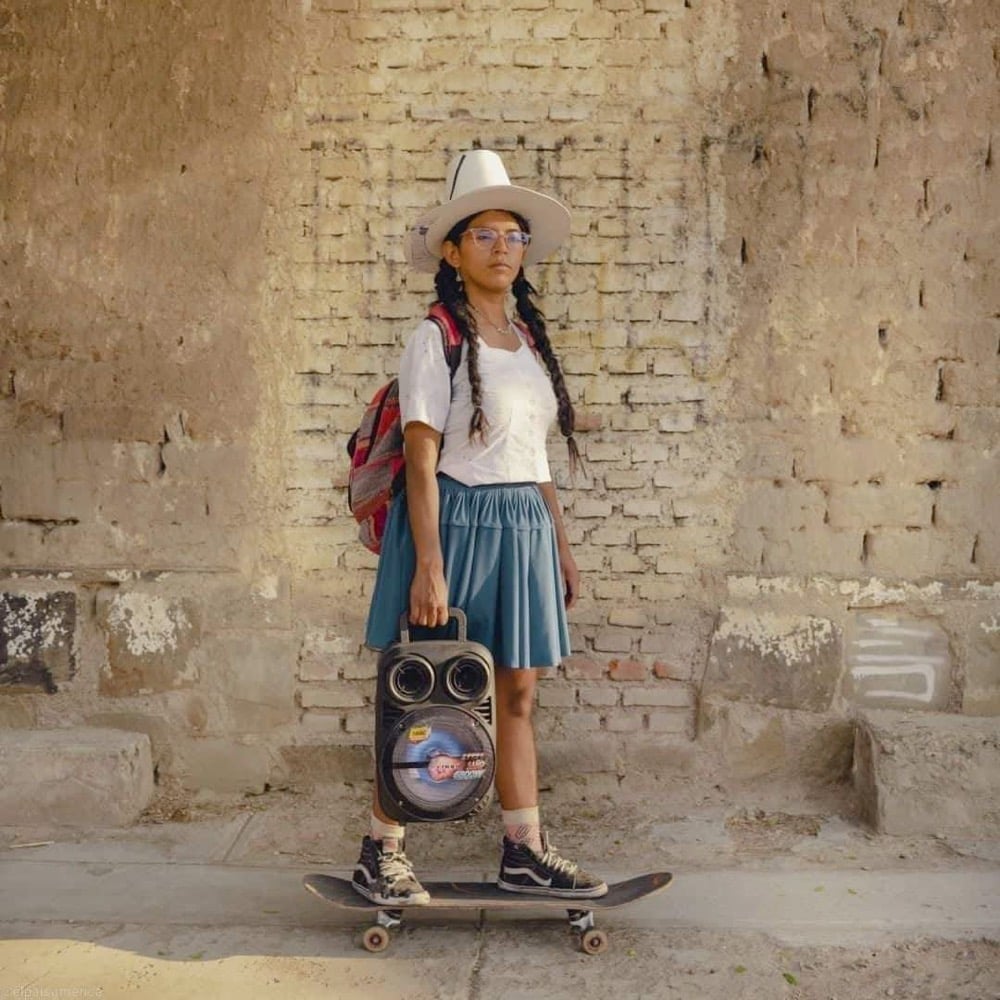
(429, 589)
(571, 575)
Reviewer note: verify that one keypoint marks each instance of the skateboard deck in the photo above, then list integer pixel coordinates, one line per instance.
(488, 896)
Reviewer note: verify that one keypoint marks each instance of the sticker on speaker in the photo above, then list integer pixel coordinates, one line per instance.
(443, 766)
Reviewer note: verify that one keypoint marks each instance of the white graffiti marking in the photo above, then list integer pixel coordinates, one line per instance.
(925, 670)
(895, 651)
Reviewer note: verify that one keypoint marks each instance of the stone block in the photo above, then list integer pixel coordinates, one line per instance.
(218, 764)
(661, 756)
(261, 602)
(156, 727)
(869, 506)
(805, 551)
(18, 713)
(756, 741)
(897, 553)
(923, 773)
(37, 640)
(252, 676)
(328, 764)
(149, 639)
(791, 504)
(780, 660)
(896, 662)
(848, 460)
(74, 777)
(31, 498)
(981, 690)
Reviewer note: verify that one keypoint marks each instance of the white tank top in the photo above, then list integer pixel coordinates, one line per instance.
(518, 402)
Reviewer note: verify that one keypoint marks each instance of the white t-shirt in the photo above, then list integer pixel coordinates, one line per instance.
(518, 402)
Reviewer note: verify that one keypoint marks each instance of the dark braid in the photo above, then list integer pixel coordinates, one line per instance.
(451, 294)
(533, 318)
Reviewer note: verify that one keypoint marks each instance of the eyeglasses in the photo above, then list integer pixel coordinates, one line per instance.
(485, 239)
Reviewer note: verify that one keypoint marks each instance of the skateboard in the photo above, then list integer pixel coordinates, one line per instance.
(487, 896)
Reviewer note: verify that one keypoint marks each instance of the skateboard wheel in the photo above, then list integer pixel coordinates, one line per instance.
(593, 942)
(376, 939)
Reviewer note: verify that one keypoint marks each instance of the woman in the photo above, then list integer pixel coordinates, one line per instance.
(479, 525)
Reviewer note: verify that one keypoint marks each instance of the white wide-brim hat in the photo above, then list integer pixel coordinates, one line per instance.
(477, 182)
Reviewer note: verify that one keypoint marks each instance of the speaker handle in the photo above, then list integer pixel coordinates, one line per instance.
(453, 613)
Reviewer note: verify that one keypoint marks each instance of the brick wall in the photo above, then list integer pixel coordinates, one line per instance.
(777, 312)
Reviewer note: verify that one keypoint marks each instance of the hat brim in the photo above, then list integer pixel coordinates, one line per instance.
(548, 220)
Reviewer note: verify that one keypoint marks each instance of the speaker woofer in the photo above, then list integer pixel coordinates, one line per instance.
(437, 763)
(467, 678)
(410, 680)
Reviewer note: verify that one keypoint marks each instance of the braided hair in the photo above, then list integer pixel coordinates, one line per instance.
(451, 294)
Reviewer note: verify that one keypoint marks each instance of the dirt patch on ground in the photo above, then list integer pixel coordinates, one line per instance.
(762, 831)
(701, 966)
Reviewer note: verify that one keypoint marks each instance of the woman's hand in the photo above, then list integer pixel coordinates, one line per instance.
(429, 597)
(567, 564)
(570, 575)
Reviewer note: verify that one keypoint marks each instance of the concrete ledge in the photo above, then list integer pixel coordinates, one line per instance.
(762, 741)
(74, 777)
(928, 773)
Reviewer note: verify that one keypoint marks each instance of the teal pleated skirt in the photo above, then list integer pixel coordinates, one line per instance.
(501, 562)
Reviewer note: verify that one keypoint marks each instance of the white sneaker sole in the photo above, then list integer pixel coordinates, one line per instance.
(530, 890)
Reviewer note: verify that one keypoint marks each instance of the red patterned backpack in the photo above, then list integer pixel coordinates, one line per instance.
(377, 472)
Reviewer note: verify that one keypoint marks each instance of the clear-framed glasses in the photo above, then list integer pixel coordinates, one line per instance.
(485, 239)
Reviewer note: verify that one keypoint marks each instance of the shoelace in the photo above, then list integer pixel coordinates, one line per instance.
(552, 860)
(395, 866)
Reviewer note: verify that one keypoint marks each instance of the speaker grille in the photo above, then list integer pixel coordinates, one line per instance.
(485, 711)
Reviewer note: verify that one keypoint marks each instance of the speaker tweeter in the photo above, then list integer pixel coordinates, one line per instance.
(411, 680)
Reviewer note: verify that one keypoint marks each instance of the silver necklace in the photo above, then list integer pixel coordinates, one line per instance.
(502, 330)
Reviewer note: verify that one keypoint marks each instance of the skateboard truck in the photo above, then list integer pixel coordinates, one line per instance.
(592, 941)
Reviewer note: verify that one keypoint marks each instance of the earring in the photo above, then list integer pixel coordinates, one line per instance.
(458, 280)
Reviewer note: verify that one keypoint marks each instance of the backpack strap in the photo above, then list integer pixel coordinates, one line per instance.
(525, 332)
(451, 337)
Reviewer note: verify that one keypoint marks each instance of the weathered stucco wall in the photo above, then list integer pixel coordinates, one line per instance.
(778, 312)
(140, 452)
(862, 201)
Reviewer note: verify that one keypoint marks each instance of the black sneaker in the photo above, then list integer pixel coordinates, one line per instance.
(545, 874)
(386, 877)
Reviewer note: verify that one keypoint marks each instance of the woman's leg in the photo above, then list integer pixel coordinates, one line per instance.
(517, 760)
(528, 864)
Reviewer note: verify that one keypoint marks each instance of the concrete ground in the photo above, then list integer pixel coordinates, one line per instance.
(778, 893)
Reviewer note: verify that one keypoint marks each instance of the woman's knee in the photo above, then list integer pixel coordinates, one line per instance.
(515, 692)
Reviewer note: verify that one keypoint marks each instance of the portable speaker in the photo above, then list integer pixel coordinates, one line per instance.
(434, 725)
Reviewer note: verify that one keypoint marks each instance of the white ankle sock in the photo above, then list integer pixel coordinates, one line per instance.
(523, 826)
(390, 834)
